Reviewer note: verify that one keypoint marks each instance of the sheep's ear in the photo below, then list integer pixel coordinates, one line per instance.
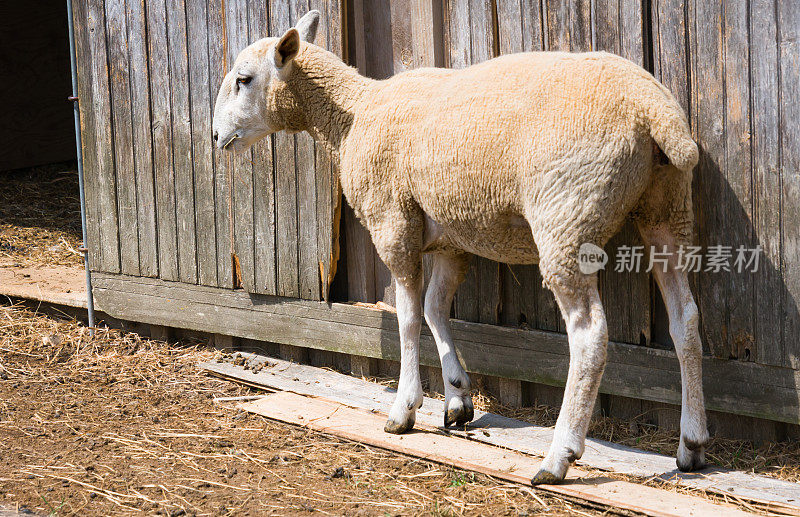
(307, 26)
(287, 48)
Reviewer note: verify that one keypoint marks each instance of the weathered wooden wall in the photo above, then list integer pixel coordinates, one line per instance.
(162, 202)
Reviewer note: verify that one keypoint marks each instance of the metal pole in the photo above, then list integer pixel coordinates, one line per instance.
(78, 146)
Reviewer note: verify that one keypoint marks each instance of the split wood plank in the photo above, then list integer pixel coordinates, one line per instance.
(367, 427)
(531, 355)
(510, 433)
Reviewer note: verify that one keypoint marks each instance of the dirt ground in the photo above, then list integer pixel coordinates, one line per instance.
(120, 425)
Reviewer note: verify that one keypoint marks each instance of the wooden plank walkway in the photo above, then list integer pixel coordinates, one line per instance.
(367, 427)
(512, 434)
(58, 285)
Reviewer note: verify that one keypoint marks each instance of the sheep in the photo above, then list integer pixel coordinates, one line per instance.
(520, 159)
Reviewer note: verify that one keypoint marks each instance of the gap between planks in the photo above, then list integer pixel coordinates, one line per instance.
(366, 427)
(777, 495)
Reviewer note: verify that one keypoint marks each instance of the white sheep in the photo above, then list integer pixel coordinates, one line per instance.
(521, 159)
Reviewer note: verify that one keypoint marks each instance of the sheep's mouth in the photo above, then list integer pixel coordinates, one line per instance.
(229, 142)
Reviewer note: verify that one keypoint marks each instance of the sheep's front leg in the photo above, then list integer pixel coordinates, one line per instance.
(588, 341)
(409, 390)
(448, 272)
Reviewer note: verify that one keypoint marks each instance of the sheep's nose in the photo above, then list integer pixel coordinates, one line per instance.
(216, 136)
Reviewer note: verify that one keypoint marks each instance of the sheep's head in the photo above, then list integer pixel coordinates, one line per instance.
(253, 100)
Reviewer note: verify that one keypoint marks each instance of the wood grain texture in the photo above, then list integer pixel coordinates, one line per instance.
(738, 198)
(87, 114)
(218, 67)
(161, 112)
(263, 181)
(182, 141)
(708, 115)
(105, 189)
(121, 118)
(530, 355)
(202, 143)
(789, 108)
(285, 182)
(241, 173)
(769, 291)
(142, 137)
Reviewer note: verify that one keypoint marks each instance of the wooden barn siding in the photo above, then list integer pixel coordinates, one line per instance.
(158, 192)
(724, 66)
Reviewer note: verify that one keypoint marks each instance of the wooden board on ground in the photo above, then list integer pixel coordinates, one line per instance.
(59, 285)
(367, 427)
(513, 434)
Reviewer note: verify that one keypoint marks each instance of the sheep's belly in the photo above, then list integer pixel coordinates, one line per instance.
(508, 241)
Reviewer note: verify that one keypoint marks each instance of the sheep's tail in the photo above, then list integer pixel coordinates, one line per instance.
(668, 126)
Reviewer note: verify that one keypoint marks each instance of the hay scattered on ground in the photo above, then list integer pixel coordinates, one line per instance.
(40, 220)
(120, 425)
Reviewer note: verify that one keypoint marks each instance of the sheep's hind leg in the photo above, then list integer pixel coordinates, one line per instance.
(409, 390)
(588, 340)
(684, 320)
(448, 272)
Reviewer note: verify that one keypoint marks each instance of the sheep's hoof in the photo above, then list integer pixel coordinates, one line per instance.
(545, 477)
(462, 413)
(399, 427)
(690, 460)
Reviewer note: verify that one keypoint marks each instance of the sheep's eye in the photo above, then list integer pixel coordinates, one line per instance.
(243, 80)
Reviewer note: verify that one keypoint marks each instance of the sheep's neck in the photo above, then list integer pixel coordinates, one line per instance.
(327, 92)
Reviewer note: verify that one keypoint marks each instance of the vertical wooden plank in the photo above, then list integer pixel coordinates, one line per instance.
(218, 67)
(557, 17)
(241, 175)
(308, 254)
(119, 84)
(708, 112)
(329, 193)
(105, 190)
(532, 31)
(182, 141)
(769, 289)
(142, 138)
(285, 182)
(789, 59)
(263, 182)
(161, 112)
(738, 199)
(202, 152)
(85, 94)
